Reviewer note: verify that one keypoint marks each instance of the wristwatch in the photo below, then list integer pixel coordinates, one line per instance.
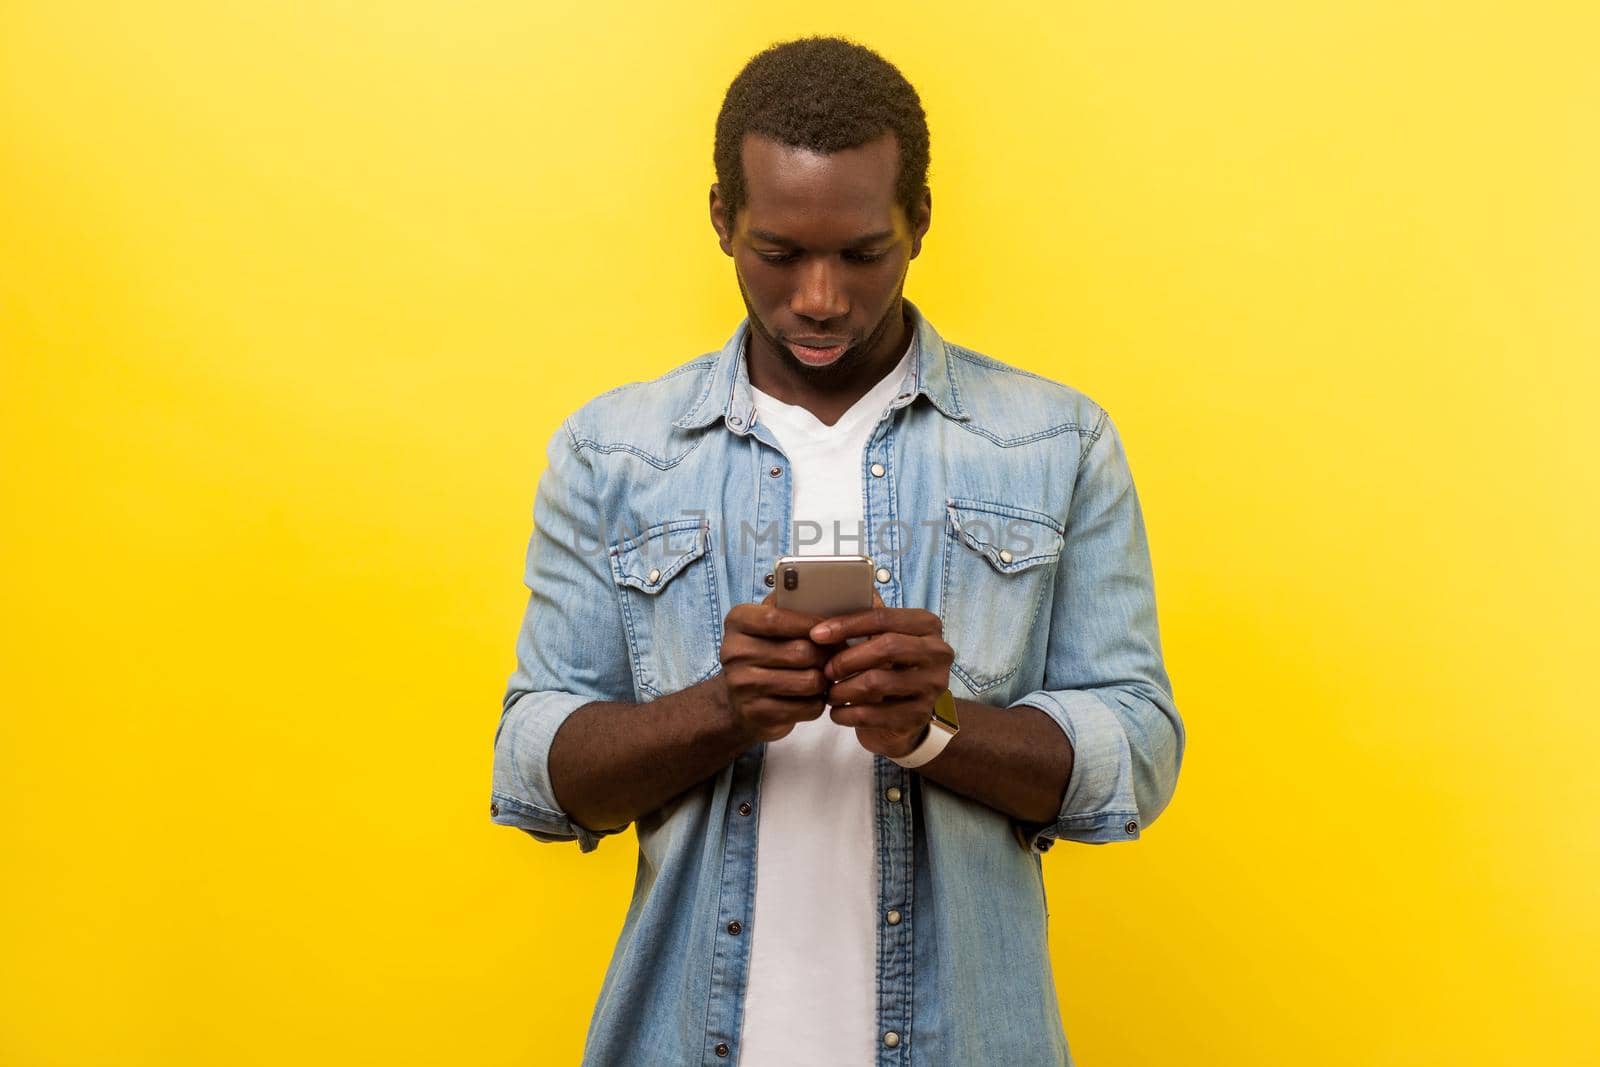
(941, 728)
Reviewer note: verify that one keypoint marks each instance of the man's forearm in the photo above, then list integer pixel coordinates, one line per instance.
(1015, 760)
(611, 762)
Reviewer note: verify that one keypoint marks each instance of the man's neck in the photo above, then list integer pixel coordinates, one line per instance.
(826, 398)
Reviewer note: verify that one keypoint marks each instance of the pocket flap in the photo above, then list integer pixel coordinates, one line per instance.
(647, 561)
(1012, 539)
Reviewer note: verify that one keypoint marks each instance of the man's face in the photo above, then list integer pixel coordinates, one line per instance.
(821, 249)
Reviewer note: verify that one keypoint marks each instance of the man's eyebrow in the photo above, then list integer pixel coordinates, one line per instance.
(788, 242)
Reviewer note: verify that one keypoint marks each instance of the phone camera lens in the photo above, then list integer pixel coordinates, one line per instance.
(791, 578)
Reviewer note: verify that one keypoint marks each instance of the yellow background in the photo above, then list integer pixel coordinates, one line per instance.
(292, 295)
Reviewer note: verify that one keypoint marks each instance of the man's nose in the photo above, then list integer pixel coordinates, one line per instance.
(819, 297)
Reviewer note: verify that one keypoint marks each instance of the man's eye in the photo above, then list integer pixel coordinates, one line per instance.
(778, 257)
(864, 257)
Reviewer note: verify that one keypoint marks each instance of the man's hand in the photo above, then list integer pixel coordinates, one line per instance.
(771, 671)
(886, 685)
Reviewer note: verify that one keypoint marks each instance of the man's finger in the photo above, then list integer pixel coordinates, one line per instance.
(769, 620)
(882, 650)
(878, 620)
(880, 684)
(893, 716)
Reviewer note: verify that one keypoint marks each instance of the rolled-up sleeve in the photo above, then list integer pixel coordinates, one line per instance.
(1105, 683)
(571, 650)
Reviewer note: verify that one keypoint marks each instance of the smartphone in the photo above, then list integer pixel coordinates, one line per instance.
(823, 585)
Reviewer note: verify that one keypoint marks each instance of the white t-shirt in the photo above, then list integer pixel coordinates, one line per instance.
(812, 993)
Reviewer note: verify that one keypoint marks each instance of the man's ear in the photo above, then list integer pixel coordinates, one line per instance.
(920, 220)
(720, 220)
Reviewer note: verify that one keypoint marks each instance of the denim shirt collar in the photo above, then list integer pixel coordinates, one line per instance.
(727, 393)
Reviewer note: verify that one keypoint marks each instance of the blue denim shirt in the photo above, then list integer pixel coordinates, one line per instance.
(999, 500)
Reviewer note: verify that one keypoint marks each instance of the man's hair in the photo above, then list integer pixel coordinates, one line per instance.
(825, 94)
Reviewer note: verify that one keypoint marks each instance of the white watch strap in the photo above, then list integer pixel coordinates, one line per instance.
(939, 735)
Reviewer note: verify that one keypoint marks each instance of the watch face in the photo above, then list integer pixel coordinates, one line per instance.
(944, 711)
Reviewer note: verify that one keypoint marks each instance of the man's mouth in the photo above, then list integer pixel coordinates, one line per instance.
(817, 351)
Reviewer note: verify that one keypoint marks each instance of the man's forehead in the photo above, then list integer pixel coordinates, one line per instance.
(850, 192)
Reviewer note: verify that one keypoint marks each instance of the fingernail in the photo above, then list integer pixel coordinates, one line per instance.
(821, 632)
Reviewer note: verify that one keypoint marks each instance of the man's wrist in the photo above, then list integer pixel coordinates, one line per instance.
(728, 728)
(942, 726)
(916, 742)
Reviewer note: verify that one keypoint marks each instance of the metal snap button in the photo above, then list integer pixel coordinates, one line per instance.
(721, 1050)
(892, 794)
(1132, 827)
(745, 809)
(1005, 556)
(877, 470)
(735, 928)
(883, 574)
(770, 580)
(891, 1039)
(776, 472)
(893, 918)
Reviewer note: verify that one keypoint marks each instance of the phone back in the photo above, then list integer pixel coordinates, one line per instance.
(823, 585)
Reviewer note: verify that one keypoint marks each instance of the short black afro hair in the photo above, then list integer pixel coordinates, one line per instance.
(825, 94)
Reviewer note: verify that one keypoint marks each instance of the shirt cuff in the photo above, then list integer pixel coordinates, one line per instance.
(1099, 806)
(521, 794)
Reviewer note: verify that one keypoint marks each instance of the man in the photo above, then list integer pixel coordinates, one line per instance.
(805, 896)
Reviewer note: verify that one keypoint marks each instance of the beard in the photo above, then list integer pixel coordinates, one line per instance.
(850, 362)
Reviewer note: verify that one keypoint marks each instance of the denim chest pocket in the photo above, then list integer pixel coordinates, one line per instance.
(999, 564)
(668, 588)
